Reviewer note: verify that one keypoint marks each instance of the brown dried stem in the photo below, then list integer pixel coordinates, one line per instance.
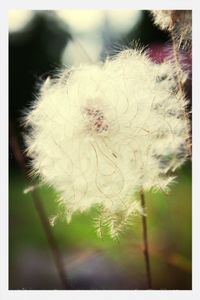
(145, 240)
(180, 76)
(14, 144)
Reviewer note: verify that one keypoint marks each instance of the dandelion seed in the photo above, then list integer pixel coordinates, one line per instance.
(98, 133)
(28, 189)
(31, 188)
(53, 220)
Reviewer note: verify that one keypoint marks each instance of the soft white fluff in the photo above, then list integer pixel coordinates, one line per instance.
(101, 132)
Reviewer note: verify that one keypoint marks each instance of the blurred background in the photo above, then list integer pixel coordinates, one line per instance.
(40, 43)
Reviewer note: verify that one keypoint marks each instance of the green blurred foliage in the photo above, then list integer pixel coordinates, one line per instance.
(169, 228)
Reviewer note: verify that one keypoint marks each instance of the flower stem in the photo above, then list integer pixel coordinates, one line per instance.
(179, 70)
(180, 84)
(14, 144)
(145, 241)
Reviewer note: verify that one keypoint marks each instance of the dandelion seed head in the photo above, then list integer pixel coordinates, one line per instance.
(99, 133)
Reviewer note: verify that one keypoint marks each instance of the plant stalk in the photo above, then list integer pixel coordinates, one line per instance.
(145, 241)
(180, 84)
(58, 259)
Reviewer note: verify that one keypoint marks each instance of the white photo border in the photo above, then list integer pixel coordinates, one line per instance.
(6, 294)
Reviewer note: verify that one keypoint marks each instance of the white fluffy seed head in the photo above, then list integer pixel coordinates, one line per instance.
(99, 133)
(177, 21)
